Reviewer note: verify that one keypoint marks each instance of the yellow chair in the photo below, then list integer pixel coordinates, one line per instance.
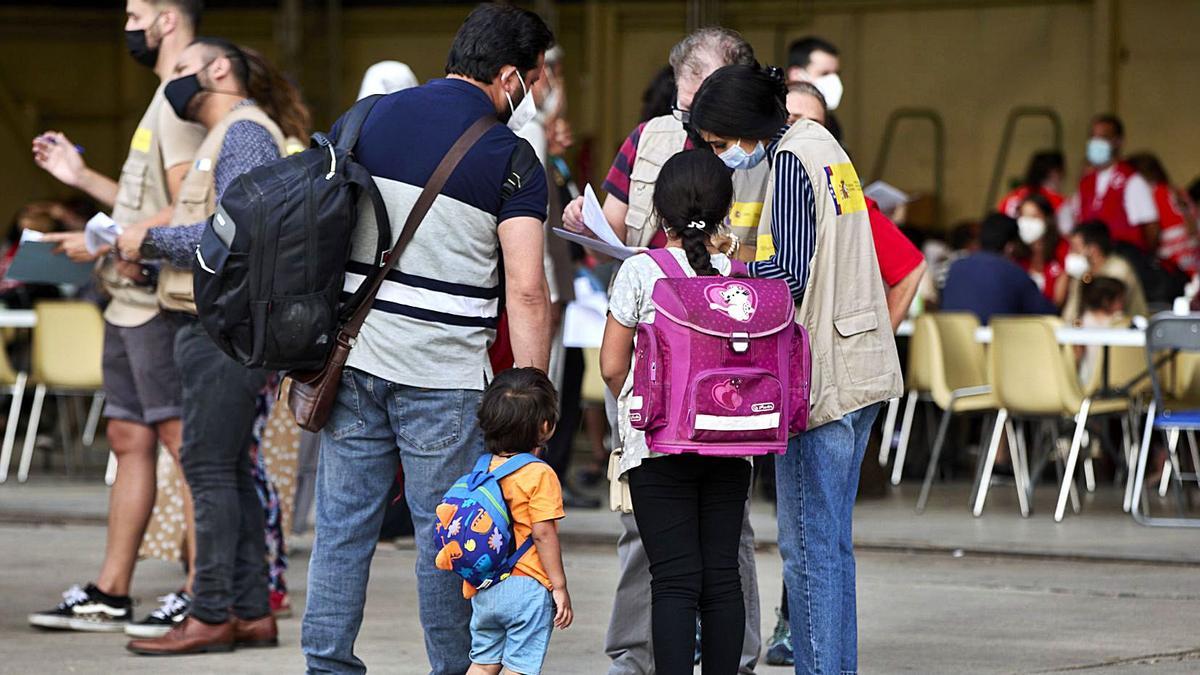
(12, 383)
(68, 343)
(916, 378)
(1033, 376)
(958, 380)
(1126, 372)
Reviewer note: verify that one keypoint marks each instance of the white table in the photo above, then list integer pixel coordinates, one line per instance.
(1067, 335)
(1096, 337)
(17, 318)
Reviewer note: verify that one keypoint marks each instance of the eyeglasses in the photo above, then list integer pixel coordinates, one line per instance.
(680, 114)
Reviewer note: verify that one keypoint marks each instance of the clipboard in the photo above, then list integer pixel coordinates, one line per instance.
(37, 263)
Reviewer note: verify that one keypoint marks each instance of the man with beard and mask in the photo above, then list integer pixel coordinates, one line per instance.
(629, 210)
(415, 377)
(248, 109)
(141, 381)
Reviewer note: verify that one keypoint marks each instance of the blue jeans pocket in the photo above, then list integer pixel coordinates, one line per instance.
(431, 419)
(346, 418)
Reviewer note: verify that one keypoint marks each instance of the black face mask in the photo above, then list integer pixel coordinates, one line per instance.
(135, 42)
(180, 92)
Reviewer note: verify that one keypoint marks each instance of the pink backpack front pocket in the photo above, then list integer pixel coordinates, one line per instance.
(744, 406)
(651, 388)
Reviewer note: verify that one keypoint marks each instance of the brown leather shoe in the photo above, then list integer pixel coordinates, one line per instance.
(261, 632)
(193, 636)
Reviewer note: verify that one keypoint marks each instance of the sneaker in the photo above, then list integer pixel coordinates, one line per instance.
(696, 654)
(281, 607)
(87, 609)
(173, 608)
(779, 647)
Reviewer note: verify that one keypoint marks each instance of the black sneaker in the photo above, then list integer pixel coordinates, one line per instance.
(172, 610)
(87, 609)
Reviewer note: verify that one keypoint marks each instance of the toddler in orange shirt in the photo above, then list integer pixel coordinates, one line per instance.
(511, 621)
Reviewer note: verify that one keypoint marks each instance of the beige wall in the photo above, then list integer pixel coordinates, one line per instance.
(971, 61)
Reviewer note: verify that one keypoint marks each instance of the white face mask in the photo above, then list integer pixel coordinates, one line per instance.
(523, 111)
(1076, 265)
(831, 88)
(1032, 228)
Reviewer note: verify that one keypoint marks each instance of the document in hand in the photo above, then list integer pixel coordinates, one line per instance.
(37, 263)
(100, 231)
(604, 240)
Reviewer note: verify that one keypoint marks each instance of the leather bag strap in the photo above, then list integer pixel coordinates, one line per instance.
(432, 188)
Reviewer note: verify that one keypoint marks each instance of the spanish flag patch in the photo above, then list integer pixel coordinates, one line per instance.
(845, 188)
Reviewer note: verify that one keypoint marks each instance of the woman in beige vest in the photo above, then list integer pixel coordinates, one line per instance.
(815, 234)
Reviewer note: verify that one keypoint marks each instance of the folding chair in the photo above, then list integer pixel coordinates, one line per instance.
(12, 383)
(1168, 333)
(68, 342)
(958, 380)
(1034, 377)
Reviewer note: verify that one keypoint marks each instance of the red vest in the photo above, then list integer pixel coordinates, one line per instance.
(1110, 207)
(1176, 245)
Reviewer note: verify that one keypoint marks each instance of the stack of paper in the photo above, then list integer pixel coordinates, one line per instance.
(602, 239)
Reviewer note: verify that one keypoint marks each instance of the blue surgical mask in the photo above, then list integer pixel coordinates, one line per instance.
(738, 159)
(1099, 151)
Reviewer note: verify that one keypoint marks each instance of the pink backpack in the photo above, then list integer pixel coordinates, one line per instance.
(723, 369)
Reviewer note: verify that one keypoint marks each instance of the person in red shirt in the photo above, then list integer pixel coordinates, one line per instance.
(1178, 248)
(1112, 192)
(1043, 177)
(1046, 252)
(900, 262)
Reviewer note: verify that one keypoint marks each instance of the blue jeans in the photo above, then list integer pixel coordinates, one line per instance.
(438, 441)
(816, 484)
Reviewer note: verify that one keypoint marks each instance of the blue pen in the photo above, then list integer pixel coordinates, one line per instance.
(78, 147)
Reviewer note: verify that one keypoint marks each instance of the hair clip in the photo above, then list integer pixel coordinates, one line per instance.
(698, 224)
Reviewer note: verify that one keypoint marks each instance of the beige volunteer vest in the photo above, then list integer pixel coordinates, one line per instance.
(197, 199)
(661, 138)
(141, 193)
(854, 361)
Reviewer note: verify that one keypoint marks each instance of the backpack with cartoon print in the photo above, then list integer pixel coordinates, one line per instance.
(723, 368)
(474, 533)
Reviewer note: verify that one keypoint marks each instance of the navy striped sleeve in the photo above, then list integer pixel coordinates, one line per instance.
(793, 226)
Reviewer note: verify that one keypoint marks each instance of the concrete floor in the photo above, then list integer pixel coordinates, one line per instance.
(924, 607)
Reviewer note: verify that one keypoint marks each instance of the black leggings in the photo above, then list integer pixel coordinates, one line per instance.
(689, 512)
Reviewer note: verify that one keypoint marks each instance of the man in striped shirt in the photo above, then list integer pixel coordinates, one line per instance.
(414, 379)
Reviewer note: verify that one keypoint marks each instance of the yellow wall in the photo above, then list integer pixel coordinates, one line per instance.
(969, 60)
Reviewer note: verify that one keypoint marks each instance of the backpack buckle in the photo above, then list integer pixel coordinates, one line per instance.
(740, 342)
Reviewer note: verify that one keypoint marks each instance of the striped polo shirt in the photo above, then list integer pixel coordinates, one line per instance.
(435, 316)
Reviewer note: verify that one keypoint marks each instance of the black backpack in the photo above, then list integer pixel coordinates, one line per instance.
(271, 262)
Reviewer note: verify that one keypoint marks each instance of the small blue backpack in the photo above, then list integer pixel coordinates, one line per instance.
(474, 533)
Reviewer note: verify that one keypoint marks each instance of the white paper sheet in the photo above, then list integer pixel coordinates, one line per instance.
(583, 322)
(605, 240)
(99, 232)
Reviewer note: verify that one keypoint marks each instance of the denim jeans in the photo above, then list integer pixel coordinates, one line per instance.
(219, 396)
(816, 484)
(438, 440)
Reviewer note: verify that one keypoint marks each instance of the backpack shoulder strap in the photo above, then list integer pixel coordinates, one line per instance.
(519, 553)
(482, 465)
(513, 465)
(667, 263)
(737, 268)
(353, 120)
